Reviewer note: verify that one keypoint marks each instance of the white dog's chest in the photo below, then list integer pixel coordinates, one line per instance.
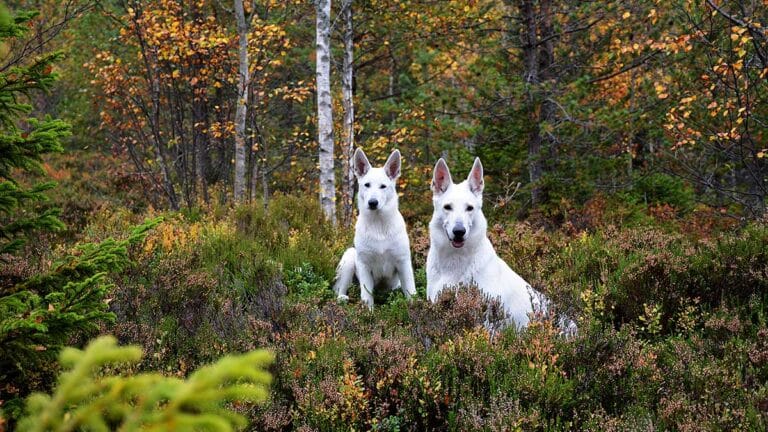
(380, 248)
(380, 259)
(455, 271)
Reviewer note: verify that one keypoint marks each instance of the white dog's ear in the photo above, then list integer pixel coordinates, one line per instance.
(360, 163)
(392, 167)
(475, 178)
(441, 178)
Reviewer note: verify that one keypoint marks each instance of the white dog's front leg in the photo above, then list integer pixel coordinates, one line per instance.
(405, 272)
(365, 277)
(431, 284)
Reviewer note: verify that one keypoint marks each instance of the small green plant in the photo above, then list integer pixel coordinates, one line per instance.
(304, 281)
(89, 397)
(651, 319)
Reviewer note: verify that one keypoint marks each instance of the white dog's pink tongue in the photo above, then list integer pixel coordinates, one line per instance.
(457, 244)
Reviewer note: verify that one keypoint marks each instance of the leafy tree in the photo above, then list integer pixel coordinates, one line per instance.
(167, 89)
(86, 398)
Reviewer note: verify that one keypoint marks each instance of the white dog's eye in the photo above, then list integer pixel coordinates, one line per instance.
(383, 187)
(448, 207)
(470, 208)
(367, 185)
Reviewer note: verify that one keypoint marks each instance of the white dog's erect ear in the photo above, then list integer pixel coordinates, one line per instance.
(360, 163)
(441, 178)
(475, 178)
(392, 167)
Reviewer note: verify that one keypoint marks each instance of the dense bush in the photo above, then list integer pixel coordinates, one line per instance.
(662, 315)
(41, 313)
(629, 275)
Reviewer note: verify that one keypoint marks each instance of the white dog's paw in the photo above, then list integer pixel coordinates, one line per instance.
(341, 298)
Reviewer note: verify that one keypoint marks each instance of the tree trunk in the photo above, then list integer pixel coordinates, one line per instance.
(242, 101)
(154, 118)
(531, 60)
(254, 175)
(348, 177)
(547, 79)
(324, 111)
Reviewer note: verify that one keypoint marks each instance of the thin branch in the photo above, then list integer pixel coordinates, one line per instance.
(637, 63)
(735, 20)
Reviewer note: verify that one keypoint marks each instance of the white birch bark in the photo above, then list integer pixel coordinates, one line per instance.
(242, 101)
(324, 111)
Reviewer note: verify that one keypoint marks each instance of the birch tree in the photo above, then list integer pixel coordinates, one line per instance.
(242, 100)
(324, 110)
(347, 77)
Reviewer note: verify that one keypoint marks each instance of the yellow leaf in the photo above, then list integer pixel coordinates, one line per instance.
(626, 15)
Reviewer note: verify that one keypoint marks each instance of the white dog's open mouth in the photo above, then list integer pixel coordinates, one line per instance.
(457, 243)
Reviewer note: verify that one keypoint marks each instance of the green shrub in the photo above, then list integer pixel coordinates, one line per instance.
(660, 188)
(89, 396)
(303, 281)
(44, 312)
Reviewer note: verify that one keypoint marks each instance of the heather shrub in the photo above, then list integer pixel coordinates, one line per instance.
(661, 316)
(290, 232)
(627, 275)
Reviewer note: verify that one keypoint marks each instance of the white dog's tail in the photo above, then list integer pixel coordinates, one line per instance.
(542, 306)
(345, 272)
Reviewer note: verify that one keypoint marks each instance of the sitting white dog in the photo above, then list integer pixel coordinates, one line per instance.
(382, 253)
(460, 252)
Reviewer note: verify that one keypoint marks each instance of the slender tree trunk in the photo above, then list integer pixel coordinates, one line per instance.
(324, 111)
(154, 117)
(201, 153)
(348, 177)
(531, 60)
(547, 77)
(264, 177)
(242, 101)
(254, 175)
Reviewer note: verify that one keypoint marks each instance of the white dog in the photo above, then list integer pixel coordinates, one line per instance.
(382, 255)
(460, 252)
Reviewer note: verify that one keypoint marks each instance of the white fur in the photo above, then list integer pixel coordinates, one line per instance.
(382, 254)
(475, 261)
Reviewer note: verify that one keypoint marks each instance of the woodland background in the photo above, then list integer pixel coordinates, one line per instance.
(175, 174)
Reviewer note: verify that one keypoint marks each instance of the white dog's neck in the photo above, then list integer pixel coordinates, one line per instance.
(386, 220)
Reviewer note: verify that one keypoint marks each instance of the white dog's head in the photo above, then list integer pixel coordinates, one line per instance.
(376, 186)
(459, 207)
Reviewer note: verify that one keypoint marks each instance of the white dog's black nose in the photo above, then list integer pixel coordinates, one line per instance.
(373, 203)
(458, 232)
